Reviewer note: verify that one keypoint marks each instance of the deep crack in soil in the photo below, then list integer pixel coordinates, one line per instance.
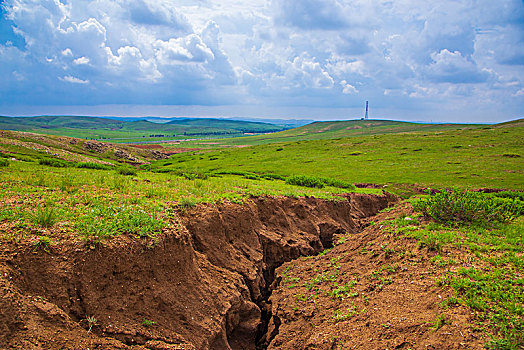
(205, 283)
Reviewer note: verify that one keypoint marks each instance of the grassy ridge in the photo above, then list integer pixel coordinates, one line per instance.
(340, 129)
(141, 130)
(481, 157)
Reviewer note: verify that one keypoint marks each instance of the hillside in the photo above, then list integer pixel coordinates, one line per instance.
(261, 247)
(32, 147)
(94, 128)
(338, 129)
(473, 157)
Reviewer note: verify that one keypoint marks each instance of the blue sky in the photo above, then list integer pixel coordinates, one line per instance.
(445, 60)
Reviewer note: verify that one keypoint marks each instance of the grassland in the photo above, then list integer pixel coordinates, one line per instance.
(478, 157)
(336, 129)
(112, 130)
(48, 194)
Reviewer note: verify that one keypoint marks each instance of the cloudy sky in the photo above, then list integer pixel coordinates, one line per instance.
(446, 60)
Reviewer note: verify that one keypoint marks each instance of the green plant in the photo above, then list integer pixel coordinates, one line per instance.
(91, 322)
(43, 242)
(440, 321)
(91, 165)
(306, 181)
(466, 207)
(186, 203)
(4, 162)
(339, 315)
(125, 170)
(147, 323)
(44, 216)
(57, 163)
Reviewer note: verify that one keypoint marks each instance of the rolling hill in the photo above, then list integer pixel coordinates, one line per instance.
(95, 128)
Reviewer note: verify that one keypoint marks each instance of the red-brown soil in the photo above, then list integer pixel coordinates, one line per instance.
(207, 282)
(395, 303)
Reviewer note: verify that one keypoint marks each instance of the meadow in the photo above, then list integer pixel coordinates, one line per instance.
(54, 189)
(467, 158)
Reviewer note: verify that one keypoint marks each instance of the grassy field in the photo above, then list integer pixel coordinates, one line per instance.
(55, 188)
(334, 130)
(112, 130)
(478, 157)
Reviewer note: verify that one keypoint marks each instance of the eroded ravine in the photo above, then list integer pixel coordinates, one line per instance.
(205, 284)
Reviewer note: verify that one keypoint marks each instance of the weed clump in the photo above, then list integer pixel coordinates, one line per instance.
(90, 165)
(465, 207)
(44, 216)
(126, 171)
(318, 182)
(56, 163)
(4, 162)
(305, 181)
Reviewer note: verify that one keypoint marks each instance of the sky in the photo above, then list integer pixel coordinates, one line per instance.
(438, 61)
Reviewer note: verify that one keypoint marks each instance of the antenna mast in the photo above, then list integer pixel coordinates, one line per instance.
(367, 104)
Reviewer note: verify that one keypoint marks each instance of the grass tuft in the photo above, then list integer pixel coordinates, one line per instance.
(44, 216)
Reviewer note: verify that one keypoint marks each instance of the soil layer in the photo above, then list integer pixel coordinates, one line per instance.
(203, 284)
(255, 275)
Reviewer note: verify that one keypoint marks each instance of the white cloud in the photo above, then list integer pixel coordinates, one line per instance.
(347, 88)
(81, 60)
(400, 54)
(74, 80)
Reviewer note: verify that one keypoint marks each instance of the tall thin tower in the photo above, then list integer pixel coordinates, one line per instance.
(367, 105)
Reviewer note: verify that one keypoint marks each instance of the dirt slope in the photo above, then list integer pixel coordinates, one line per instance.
(204, 283)
(375, 291)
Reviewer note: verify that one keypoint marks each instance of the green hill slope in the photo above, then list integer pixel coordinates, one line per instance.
(345, 128)
(133, 131)
(473, 157)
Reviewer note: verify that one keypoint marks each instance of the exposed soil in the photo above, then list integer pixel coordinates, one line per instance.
(209, 283)
(393, 302)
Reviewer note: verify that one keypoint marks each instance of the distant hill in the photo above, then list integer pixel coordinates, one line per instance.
(346, 128)
(137, 130)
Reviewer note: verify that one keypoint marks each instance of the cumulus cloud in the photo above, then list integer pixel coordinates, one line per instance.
(453, 67)
(338, 53)
(73, 80)
(311, 14)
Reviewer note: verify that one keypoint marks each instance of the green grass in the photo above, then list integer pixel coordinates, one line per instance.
(333, 130)
(466, 207)
(490, 279)
(133, 131)
(428, 159)
(96, 204)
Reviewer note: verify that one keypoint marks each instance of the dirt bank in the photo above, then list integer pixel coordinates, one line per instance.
(204, 284)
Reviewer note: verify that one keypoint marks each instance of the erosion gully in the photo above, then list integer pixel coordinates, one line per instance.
(204, 284)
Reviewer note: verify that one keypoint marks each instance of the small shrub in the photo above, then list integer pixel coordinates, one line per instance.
(273, 177)
(464, 207)
(43, 242)
(338, 183)
(91, 322)
(305, 181)
(186, 203)
(252, 177)
(148, 323)
(440, 321)
(128, 171)
(90, 165)
(44, 216)
(318, 182)
(510, 194)
(194, 175)
(106, 221)
(4, 162)
(57, 163)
